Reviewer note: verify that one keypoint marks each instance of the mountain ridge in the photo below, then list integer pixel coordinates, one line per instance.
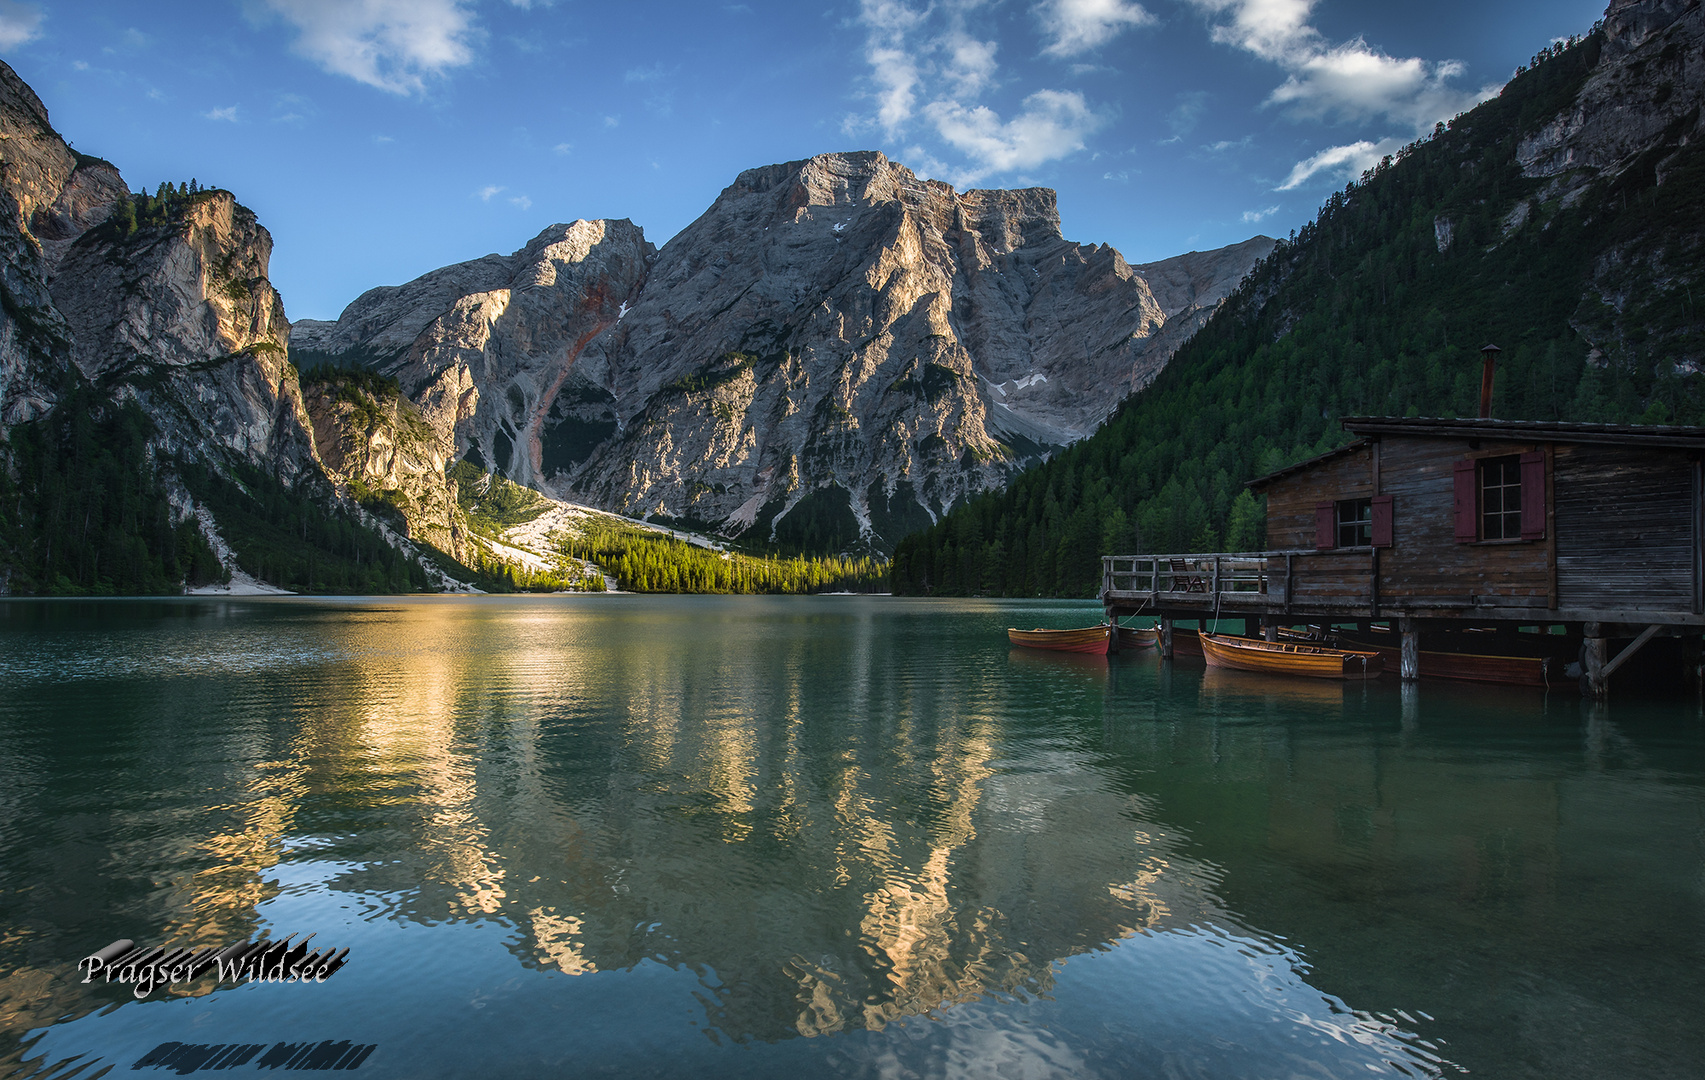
(849, 277)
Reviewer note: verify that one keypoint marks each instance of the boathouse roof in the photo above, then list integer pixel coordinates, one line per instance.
(1667, 437)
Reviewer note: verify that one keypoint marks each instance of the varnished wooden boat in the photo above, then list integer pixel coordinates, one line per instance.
(1477, 667)
(1473, 667)
(1290, 658)
(1130, 638)
(1088, 639)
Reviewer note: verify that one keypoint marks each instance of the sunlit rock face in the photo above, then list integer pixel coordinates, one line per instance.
(180, 316)
(489, 348)
(833, 332)
(184, 317)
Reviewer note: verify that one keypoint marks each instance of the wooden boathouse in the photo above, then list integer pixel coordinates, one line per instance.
(1592, 534)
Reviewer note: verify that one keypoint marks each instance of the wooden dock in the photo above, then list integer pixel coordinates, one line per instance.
(1594, 533)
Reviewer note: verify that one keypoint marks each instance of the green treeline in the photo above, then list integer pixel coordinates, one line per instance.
(82, 511)
(1362, 313)
(299, 538)
(499, 575)
(643, 561)
(143, 210)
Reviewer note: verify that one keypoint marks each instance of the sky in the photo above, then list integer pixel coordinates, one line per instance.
(380, 139)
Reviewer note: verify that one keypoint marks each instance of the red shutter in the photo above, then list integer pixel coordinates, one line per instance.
(1533, 496)
(1382, 521)
(1467, 518)
(1325, 526)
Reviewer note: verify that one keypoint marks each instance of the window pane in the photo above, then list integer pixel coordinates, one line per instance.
(1500, 498)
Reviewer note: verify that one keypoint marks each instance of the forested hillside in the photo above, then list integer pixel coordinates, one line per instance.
(1584, 278)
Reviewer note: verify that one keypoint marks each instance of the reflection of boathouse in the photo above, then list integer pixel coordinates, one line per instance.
(1437, 526)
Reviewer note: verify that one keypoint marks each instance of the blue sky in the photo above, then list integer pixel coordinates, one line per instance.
(378, 139)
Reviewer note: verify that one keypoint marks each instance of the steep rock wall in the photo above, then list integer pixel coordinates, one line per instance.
(833, 330)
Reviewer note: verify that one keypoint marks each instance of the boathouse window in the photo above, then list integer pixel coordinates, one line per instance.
(1501, 498)
(1355, 522)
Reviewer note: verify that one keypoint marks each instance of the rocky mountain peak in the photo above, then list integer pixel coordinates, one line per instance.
(1628, 24)
(834, 343)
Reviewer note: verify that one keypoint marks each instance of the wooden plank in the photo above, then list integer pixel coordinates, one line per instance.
(1643, 553)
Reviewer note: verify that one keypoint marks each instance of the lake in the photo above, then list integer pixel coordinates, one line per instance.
(824, 836)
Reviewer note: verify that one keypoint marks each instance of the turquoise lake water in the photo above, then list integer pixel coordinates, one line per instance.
(827, 836)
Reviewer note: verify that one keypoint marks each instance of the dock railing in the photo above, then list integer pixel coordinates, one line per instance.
(1218, 578)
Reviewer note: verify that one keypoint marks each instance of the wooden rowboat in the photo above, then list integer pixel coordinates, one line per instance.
(1289, 658)
(1088, 639)
(1477, 667)
(1130, 638)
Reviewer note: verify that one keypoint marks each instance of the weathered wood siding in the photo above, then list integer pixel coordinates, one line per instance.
(1425, 566)
(1291, 501)
(1620, 532)
(1624, 528)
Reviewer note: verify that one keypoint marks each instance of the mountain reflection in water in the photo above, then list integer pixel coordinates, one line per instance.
(624, 834)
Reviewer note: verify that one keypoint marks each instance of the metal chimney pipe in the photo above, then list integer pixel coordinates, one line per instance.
(1490, 352)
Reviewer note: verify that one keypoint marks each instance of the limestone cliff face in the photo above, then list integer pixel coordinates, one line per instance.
(388, 456)
(1636, 122)
(179, 314)
(183, 316)
(1645, 93)
(833, 330)
(48, 196)
(485, 348)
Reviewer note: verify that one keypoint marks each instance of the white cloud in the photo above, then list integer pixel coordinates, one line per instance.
(1077, 26)
(79, 65)
(970, 64)
(522, 201)
(893, 68)
(1351, 81)
(1275, 30)
(929, 71)
(1354, 82)
(1250, 217)
(1053, 123)
(485, 193)
(1350, 160)
(229, 112)
(612, 121)
(394, 45)
(19, 23)
(1229, 144)
(563, 147)
(643, 74)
